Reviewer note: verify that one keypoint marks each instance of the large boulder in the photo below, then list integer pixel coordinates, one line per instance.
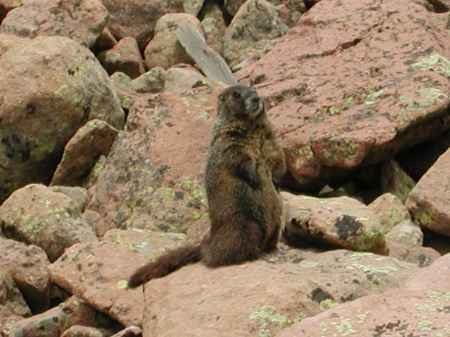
(51, 220)
(353, 83)
(430, 199)
(263, 297)
(80, 20)
(137, 18)
(153, 176)
(421, 308)
(50, 87)
(251, 31)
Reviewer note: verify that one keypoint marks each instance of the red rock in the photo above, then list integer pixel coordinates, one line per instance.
(51, 220)
(390, 210)
(92, 140)
(80, 20)
(342, 222)
(12, 305)
(8, 41)
(28, 267)
(164, 50)
(137, 18)
(421, 256)
(419, 309)
(430, 199)
(255, 24)
(98, 272)
(214, 26)
(124, 57)
(261, 298)
(355, 82)
(153, 177)
(54, 322)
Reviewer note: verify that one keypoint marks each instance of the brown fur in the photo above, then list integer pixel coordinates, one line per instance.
(245, 208)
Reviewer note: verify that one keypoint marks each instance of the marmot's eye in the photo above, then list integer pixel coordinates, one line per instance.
(236, 94)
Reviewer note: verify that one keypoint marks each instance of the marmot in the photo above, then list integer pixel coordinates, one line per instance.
(245, 209)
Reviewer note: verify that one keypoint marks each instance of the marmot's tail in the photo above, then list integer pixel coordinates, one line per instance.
(165, 264)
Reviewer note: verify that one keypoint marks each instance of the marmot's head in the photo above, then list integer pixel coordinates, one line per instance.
(240, 102)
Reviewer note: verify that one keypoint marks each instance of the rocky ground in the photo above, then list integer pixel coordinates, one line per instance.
(105, 119)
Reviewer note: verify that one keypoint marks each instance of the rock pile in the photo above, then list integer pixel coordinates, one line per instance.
(105, 119)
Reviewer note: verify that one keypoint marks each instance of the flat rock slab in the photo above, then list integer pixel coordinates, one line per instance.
(98, 272)
(153, 176)
(354, 82)
(262, 298)
(429, 201)
(420, 309)
(342, 222)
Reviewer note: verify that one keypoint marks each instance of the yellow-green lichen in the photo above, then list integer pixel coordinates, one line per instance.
(345, 327)
(370, 240)
(373, 96)
(427, 97)
(424, 217)
(433, 62)
(327, 304)
(268, 319)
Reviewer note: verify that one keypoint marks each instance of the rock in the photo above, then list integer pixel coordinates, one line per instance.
(420, 256)
(418, 309)
(182, 79)
(54, 322)
(122, 85)
(124, 57)
(342, 222)
(105, 41)
(8, 5)
(193, 7)
(8, 41)
(289, 10)
(80, 20)
(91, 141)
(132, 331)
(153, 176)
(77, 194)
(98, 272)
(232, 6)
(137, 18)
(150, 82)
(330, 123)
(261, 298)
(93, 219)
(164, 49)
(395, 180)
(86, 331)
(255, 24)
(429, 201)
(40, 117)
(28, 266)
(36, 215)
(390, 210)
(406, 233)
(214, 26)
(12, 305)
